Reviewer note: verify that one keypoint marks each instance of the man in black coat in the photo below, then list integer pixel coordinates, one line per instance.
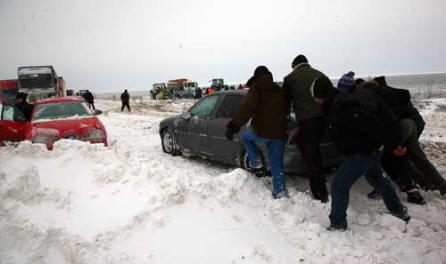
(412, 125)
(125, 99)
(23, 105)
(359, 128)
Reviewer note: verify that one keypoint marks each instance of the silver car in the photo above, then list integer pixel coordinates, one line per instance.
(201, 130)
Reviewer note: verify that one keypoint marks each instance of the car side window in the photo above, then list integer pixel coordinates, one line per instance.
(205, 107)
(229, 106)
(12, 113)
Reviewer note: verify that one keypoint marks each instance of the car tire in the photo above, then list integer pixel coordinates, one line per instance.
(243, 159)
(168, 142)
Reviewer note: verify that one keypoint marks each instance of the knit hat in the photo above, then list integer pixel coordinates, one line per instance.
(298, 60)
(322, 87)
(259, 71)
(347, 82)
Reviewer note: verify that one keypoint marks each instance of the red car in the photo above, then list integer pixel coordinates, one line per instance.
(51, 120)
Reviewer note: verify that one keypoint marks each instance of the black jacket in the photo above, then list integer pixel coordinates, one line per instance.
(26, 109)
(399, 102)
(357, 126)
(125, 97)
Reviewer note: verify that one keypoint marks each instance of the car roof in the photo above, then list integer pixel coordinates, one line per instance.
(237, 92)
(67, 99)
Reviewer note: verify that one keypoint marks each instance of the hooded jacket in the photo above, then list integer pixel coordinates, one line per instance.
(266, 105)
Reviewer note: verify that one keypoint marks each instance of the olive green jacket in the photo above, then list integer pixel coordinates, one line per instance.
(297, 89)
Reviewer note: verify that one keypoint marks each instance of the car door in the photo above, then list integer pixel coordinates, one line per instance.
(217, 144)
(191, 127)
(13, 124)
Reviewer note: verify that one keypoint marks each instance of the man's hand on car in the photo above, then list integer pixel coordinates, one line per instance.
(231, 129)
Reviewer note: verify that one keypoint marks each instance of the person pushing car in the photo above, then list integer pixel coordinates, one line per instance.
(267, 106)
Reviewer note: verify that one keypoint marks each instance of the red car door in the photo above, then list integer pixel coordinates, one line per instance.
(13, 124)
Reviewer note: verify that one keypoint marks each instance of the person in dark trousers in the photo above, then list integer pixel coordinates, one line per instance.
(412, 125)
(297, 89)
(88, 96)
(354, 127)
(22, 104)
(125, 99)
(267, 107)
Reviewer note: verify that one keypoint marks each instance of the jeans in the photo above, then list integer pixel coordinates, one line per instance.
(351, 169)
(275, 149)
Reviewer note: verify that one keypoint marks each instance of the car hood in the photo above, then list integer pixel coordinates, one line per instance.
(66, 128)
(169, 120)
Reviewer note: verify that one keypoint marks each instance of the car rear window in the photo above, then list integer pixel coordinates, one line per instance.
(60, 110)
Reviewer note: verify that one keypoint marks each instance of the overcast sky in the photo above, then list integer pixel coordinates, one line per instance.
(109, 45)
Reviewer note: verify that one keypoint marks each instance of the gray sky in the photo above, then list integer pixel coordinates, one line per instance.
(109, 45)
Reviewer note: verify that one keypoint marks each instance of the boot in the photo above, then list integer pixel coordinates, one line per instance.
(414, 196)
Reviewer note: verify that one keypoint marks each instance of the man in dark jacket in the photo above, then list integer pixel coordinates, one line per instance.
(23, 105)
(412, 125)
(125, 99)
(267, 107)
(354, 126)
(88, 96)
(297, 88)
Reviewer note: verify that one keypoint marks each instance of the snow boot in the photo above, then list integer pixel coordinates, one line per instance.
(403, 214)
(373, 195)
(414, 196)
(338, 228)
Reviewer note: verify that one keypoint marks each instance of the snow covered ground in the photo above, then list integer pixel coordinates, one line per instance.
(131, 203)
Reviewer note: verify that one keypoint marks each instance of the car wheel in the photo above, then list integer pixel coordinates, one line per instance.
(168, 142)
(244, 161)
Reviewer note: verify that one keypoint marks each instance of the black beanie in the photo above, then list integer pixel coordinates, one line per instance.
(322, 87)
(298, 60)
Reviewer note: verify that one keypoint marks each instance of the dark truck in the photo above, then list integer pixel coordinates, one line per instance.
(39, 82)
(8, 91)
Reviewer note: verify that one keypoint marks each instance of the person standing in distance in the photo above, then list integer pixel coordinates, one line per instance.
(125, 98)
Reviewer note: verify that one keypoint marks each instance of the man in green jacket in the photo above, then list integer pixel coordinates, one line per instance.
(297, 87)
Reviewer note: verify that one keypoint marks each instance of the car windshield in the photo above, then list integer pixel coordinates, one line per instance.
(60, 110)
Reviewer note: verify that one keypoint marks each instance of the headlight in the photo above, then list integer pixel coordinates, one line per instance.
(44, 139)
(95, 135)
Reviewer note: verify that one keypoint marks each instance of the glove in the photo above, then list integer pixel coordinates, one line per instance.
(399, 151)
(231, 129)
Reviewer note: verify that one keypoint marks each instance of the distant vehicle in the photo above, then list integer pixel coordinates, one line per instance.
(201, 131)
(39, 82)
(182, 88)
(8, 91)
(179, 88)
(52, 119)
(160, 91)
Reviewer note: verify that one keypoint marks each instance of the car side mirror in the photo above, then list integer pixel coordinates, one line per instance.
(97, 112)
(186, 116)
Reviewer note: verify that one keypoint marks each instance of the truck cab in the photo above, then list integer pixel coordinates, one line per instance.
(38, 82)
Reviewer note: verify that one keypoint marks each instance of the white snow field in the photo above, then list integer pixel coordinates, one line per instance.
(132, 203)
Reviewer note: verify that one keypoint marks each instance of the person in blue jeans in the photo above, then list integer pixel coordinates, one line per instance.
(267, 108)
(275, 149)
(359, 124)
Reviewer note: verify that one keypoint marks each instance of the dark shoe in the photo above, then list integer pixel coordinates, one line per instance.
(337, 228)
(415, 197)
(403, 215)
(258, 172)
(321, 196)
(374, 195)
